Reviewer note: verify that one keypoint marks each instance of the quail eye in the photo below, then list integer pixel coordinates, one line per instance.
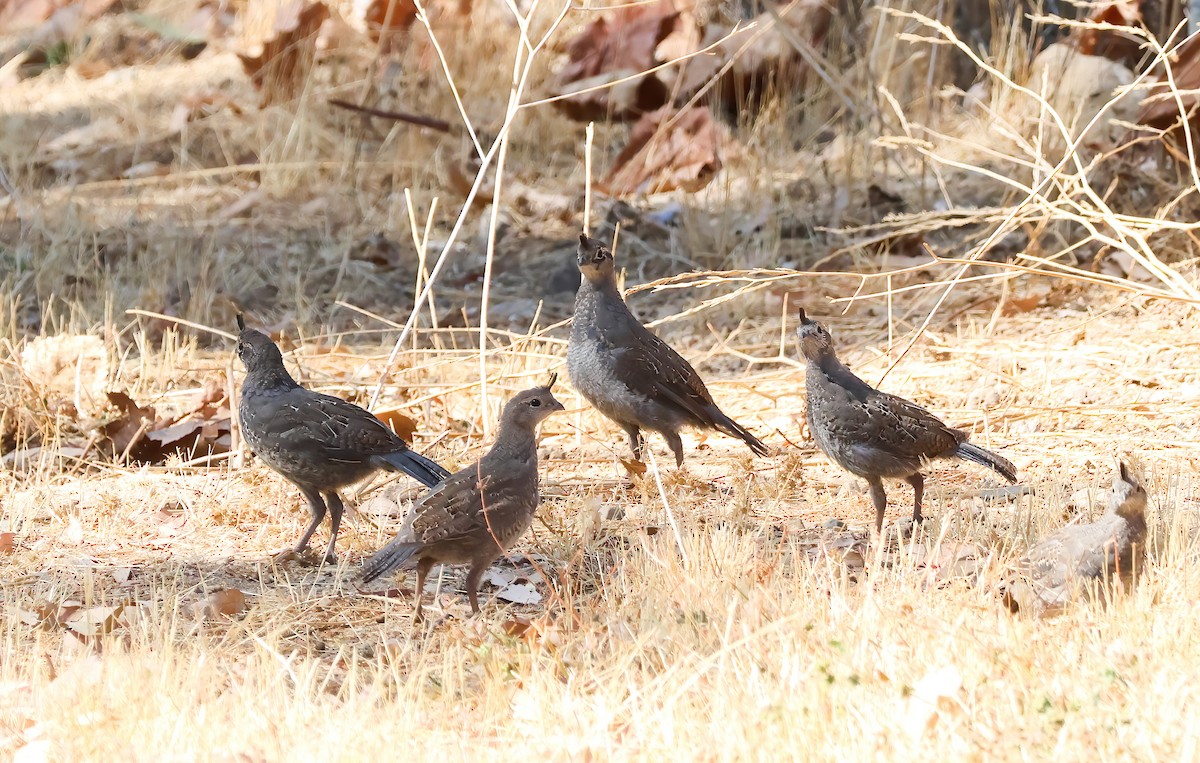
(536, 403)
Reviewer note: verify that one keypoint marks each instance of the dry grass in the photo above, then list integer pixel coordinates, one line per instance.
(736, 625)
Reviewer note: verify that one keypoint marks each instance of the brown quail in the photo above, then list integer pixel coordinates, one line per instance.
(317, 442)
(628, 373)
(475, 514)
(1077, 558)
(872, 434)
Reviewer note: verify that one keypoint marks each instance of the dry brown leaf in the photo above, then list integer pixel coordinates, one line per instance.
(1113, 44)
(95, 621)
(1159, 109)
(229, 602)
(633, 466)
(8, 543)
(612, 47)
(383, 18)
(401, 424)
(667, 150)
(128, 430)
(278, 63)
(138, 431)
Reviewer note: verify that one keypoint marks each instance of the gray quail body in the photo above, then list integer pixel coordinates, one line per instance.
(476, 514)
(872, 434)
(1074, 557)
(317, 442)
(629, 374)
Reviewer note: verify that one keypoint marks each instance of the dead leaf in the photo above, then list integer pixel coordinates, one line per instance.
(633, 466)
(385, 18)
(1159, 108)
(279, 62)
(515, 626)
(401, 424)
(128, 430)
(8, 543)
(667, 150)
(612, 47)
(1114, 44)
(225, 603)
(95, 621)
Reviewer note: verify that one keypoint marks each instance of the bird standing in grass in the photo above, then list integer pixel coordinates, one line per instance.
(317, 442)
(476, 514)
(628, 373)
(872, 434)
(1079, 556)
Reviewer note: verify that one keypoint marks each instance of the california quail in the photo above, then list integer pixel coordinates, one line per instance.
(628, 373)
(475, 514)
(1078, 556)
(872, 434)
(317, 442)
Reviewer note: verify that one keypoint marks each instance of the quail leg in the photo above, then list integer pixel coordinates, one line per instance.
(918, 485)
(334, 502)
(879, 498)
(676, 446)
(473, 579)
(316, 505)
(636, 441)
(423, 567)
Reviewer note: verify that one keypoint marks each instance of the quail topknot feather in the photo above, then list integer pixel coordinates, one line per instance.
(317, 442)
(1076, 558)
(872, 434)
(628, 373)
(478, 513)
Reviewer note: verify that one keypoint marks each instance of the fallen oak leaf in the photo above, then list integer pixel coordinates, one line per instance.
(278, 64)
(95, 621)
(612, 47)
(228, 602)
(667, 150)
(401, 424)
(8, 543)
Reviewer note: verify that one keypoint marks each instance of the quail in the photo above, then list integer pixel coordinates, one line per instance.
(1076, 556)
(317, 442)
(628, 373)
(476, 514)
(872, 434)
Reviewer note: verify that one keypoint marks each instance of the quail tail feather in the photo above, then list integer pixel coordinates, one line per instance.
(415, 465)
(730, 427)
(987, 458)
(389, 558)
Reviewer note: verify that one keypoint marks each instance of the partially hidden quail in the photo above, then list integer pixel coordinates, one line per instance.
(1077, 558)
(628, 373)
(317, 442)
(872, 434)
(476, 514)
